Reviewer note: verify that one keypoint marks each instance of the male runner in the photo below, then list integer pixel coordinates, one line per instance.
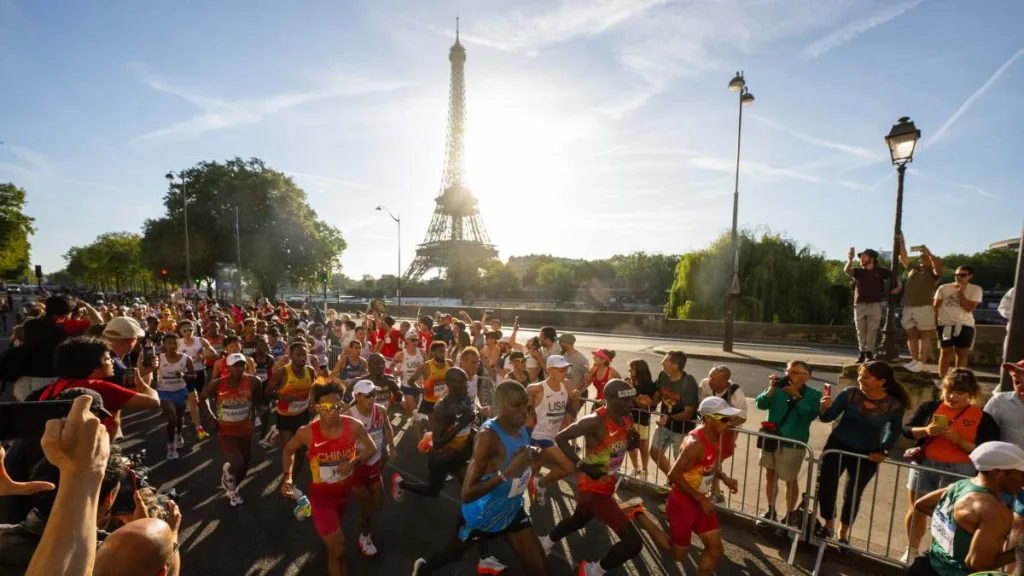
(550, 401)
(292, 386)
(969, 522)
(198, 349)
(236, 398)
(494, 486)
(407, 363)
(387, 385)
(232, 345)
(693, 475)
(369, 488)
(173, 391)
(336, 446)
(249, 337)
(434, 373)
(351, 365)
(608, 433)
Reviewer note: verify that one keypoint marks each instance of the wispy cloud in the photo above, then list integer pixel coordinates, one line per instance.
(977, 94)
(852, 150)
(854, 29)
(220, 114)
(718, 164)
(328, 181)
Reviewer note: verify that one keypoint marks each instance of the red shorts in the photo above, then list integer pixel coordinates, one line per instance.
(685, 516)
(368, 474)
(604, 508)
(327, 515)
(229, 443)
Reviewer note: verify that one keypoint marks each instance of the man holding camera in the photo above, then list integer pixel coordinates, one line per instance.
(792, 405)
(918, 316)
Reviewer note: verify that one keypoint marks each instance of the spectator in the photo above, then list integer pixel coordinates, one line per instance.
(718, 383)
(954, 306)
(918, 316)
(535, 360)
(947, 431)
(602, 372)
(646, 398)
(869, 288)
(579, 370)
(1007, 408)
(872, 417)
(122, 335)
(792, 405)
(60, 534)
(549, 342)
(1006, 305)
(679, 398)
(41, 338)
(147, 546)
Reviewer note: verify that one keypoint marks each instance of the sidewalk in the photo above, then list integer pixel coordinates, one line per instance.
(826, 360)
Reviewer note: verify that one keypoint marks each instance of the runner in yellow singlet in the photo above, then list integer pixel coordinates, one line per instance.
(433, 373)
(292, 385)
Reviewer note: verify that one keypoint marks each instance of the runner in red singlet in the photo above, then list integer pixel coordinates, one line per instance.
(689, 508)
(369, 488)
(609, 434)
(336, 445)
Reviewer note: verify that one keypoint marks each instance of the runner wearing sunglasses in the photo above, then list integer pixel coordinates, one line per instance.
(337, 446)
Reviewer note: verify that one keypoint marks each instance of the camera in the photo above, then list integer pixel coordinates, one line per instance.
(781, 381)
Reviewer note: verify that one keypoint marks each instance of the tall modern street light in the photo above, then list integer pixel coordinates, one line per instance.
(739, 85)
(398, 220)
(902, 140)
(184, 205)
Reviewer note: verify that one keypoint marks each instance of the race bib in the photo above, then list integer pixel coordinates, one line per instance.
(378, 439)
(520, 484)
(615, 462)
(329, 473)
(705, 483)
(233, 414)
(943, 529)
(261, 374)
(298, 405)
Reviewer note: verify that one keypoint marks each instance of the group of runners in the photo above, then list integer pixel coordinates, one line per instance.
(504, 442)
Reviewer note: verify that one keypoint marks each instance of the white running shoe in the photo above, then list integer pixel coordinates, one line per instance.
(547, 543)
(908, 557)
(490, 565)
(179, 441)
(172, 451)
(419, 563)
(234, 499)
(268, 440)
(366, 547)
(227, 481)
(914, 366)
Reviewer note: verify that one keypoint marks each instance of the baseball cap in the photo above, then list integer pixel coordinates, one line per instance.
(1010, 366)
(556, 361)
(235, 359)
(364, 387)
(97, 401)
(870, 252)
(567, 338)
(714, 405)
(998, 456)
(123, 327)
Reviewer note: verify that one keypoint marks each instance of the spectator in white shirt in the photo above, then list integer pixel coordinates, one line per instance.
(954, 306)
(718, 384)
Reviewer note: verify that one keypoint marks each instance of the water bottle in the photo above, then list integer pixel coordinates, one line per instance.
(302, 509)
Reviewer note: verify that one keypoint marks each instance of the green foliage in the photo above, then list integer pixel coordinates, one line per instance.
(779, 282)
(645, 276)
(994, 269)
(281, 237)
(112, 261)
(558, 279)
(15, 228)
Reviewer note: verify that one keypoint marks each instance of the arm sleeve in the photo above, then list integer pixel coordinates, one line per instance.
(838, 407)
(920, 417)
(890, 434)
(988, 430)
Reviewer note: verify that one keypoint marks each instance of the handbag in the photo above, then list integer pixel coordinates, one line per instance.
(916, 453)
(772, 444)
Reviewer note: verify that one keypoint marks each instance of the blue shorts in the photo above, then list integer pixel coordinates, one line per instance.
(542, 444)
(179, 397)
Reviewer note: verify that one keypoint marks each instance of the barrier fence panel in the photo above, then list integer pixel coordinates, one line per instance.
(890, 501)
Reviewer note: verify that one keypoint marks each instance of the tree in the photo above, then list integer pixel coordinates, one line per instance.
(60, 278)
(280, 235)
(15, 228)
(498, 280)
(558, 280)
(645, 276)
(112, 261)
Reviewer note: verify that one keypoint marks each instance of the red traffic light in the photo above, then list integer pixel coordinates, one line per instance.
(163, 271)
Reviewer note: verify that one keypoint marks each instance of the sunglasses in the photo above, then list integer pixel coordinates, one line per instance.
(328, 407)
(719, 417)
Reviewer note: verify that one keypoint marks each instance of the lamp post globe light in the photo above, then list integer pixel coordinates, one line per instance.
(902, 140)
(184, 204)
(398, 221)
(737, 84)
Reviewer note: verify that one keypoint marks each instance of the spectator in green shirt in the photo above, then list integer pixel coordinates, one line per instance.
(792, 405)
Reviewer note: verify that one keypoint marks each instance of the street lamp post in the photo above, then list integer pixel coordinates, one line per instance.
(398, 220)
(184, 205)
(739, 85)
(902, 140)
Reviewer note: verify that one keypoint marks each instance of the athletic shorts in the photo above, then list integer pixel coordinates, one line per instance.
(196, 384)
(179, 397)
(604, 508)
(963, 340)
(542, 444)
(426, 407)
(368, 474)
(327, 515)
(291, 423)
(410, 391)
(686, 517)
(520, 522)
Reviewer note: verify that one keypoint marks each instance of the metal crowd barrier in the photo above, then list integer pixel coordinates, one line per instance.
(884, 476)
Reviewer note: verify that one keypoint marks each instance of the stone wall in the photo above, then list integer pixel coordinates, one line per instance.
(988, 345)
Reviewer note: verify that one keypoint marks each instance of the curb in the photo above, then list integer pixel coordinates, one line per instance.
(816, 366)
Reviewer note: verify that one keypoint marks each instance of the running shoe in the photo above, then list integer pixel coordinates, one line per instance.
(234, 499)
(537, 495)
(632, 507)
(268, 440)
(547, 544)
(227, 481)
(200, 434)
(490, 565)
(179, 440)
(419, 563)
(172, 452)
(397, 493)
(589, 569)
(366, 547)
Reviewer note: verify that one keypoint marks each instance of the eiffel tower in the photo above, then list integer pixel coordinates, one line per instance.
(456, 241)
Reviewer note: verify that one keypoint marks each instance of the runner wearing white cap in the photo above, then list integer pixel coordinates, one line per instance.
(368, 488)
(969, 521)
(689, 508)
(551, 410)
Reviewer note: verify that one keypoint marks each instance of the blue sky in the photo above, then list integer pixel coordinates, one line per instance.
(596, 127)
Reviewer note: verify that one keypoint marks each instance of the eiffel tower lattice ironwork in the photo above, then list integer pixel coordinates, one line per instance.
(456, 241)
